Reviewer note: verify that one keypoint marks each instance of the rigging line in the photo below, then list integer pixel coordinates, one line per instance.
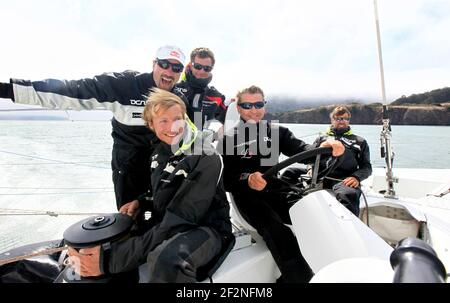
(23, 109)
(51, 214)
(82, 162)
(57, 161)
(35, 164)
(441, 194)
(31, 211)
(15, 211)
(2, 209)
(66, 193)
(314, 134)
(23, 187)
(19, 209)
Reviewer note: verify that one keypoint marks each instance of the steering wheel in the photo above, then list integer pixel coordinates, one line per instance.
(317, 176)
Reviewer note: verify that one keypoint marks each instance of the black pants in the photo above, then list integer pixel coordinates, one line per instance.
(177, 259)
(131, 172)
(267, 213)
(348, 196)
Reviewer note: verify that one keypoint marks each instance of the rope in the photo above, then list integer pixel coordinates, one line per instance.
(33, 212)
(51, 163)
(364, 196)
(37, 254)
(67, 193)
(46, 159)
(313, 134)
(441, 194)
(25, 187)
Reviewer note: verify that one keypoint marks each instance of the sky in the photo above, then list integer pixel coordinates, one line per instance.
(305, 49)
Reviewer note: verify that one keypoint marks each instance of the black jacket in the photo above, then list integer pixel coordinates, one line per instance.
(243, 155)
(187, 192)
(204, 99)
(356, 162)
(124, 94)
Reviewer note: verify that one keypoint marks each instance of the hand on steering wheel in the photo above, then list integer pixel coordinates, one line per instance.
(317, 175)
(256, 181)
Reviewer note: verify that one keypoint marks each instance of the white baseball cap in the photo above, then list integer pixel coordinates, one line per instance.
(171, 52)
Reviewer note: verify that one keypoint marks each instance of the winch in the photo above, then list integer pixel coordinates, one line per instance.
(91, 232)
(97, 230)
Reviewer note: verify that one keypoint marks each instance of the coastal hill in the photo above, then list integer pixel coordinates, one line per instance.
(430, 108)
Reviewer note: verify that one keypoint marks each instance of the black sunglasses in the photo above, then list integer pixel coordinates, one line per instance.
(165, 64)
(199, 66)
(340, 119)
(249, 105)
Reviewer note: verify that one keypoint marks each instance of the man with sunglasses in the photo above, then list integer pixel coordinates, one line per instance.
(249, 150)
(125, 95)
(344, 180)
(206, 101)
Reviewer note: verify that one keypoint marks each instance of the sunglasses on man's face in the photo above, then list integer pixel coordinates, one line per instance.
(341, 119)
(165, 64)
(199, 66)
(249, 105)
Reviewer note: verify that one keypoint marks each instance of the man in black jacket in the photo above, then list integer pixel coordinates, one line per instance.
(251, 149)
(190, 225)
(345, 179)
(122, 93)
(354, 168)
(206, 101)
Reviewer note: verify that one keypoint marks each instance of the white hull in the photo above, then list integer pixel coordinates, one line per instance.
(339, 246)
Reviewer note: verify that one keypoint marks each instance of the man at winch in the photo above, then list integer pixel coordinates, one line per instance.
(189, 231)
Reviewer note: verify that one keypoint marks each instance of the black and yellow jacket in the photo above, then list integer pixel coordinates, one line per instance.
(205, 100)
(187, 192)
(356, 162)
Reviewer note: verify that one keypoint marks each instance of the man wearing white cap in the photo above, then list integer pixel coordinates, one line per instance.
(122, 93)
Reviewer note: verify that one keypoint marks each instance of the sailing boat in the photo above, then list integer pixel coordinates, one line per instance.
(407, 215)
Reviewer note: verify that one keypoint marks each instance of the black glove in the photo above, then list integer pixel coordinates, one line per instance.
(6, 91)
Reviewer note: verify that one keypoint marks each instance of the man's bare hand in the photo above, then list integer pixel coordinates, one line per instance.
(131, 209)
(336, 145)
(351, 182)
(86, 262)
(256, 181)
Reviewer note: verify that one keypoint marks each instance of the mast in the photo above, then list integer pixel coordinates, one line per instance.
(385, 136)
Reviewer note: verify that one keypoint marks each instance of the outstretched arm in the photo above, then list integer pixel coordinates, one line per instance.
(99, 92)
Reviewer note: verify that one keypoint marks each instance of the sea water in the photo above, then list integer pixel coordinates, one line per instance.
(64, 166)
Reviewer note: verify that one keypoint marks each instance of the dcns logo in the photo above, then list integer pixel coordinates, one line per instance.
(138, 102)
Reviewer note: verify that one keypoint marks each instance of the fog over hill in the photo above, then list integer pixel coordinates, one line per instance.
(281, 104)
(428, 108)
